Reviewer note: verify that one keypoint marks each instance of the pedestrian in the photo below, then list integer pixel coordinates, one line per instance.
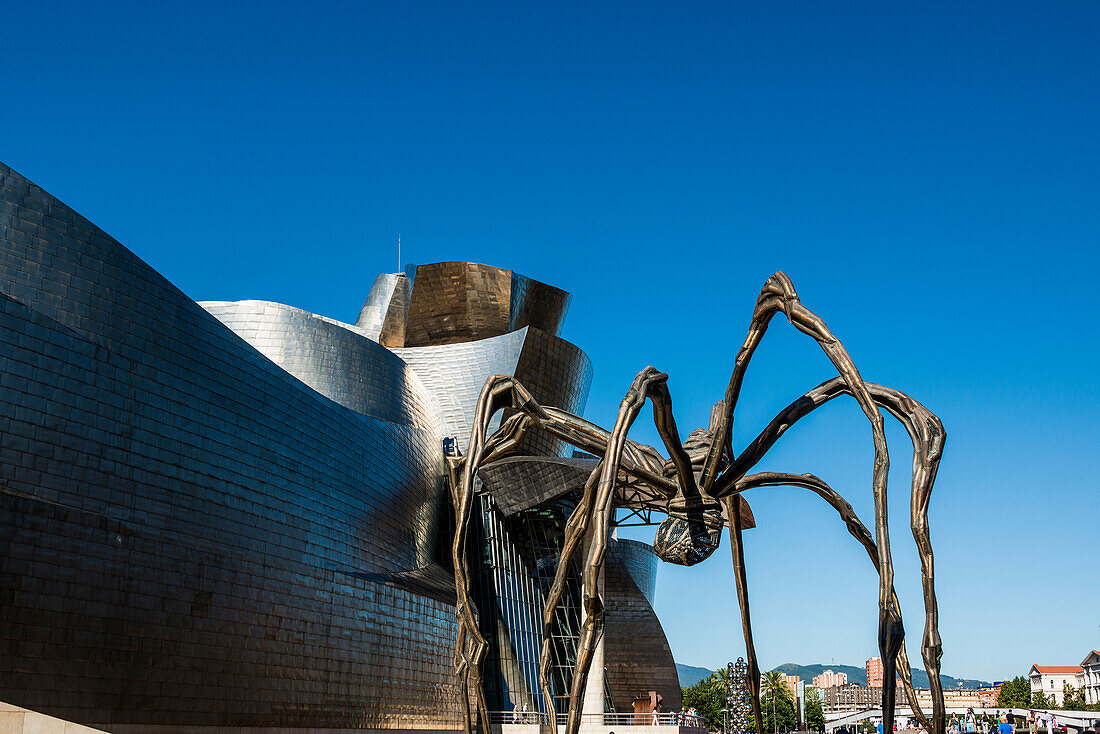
(1032, 726)
(971, 724)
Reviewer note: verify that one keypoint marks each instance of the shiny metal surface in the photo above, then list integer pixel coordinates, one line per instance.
(189, 535)
(533, 303)
(557, 371)
(454, 302)
(383, 314)
(637, 656)
(204, 526)
(522, 482)
(334, 359)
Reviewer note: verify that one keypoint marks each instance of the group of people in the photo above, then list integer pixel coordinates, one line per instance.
(1038, 722)
(1044, 720)
(689, 717)
(522, 715)
(971, 723)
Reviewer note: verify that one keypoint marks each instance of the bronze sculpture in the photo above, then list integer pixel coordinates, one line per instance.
(699, 488)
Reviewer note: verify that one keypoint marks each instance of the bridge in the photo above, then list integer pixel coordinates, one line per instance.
(1077, 721)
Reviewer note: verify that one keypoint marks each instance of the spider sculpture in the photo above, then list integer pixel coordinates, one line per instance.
(698, 487)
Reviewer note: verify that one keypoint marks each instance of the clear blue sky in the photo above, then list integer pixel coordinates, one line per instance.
(926, 173)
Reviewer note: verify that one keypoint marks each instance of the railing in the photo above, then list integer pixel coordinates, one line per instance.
(518, 717)
(538, 718)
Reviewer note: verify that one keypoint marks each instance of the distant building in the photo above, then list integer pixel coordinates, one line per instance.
(987, 695)
(1051, 680)
(792, 682)
(874, 672)
(958, 697)
(828, 679)
(1090, 677)
(850, 697)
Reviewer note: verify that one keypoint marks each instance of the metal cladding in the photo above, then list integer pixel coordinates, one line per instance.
(637, 657)
(189, 535)
(229, 516)
(522, 482)
(334, 359)
(459, 302)
(383, 314)
(556, 371)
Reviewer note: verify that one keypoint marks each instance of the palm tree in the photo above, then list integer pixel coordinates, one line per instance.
(775, 685)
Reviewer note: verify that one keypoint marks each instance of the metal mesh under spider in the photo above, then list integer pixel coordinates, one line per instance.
(699, 487)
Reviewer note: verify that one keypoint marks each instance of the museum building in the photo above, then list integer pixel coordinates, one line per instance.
(234, 514)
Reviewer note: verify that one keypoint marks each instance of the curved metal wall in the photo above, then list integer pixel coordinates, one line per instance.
(336, 360)
(454, 302)
(373, 313)
(636, 653)
(383, 314)
(556, 372)
(188, 534)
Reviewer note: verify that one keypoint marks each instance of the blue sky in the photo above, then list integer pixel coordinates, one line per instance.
(926, 173)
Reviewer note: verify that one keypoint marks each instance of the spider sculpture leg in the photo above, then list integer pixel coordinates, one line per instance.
(855, 527)
(595, 505)
(927, 434)
(648, 384)
(505, 392)
(471, 647)
(779, 295)
(752, 680)
(575, 531)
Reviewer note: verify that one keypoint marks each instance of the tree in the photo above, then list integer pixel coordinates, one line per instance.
(775, 689)
(708, 697)
(779, 714)
(1016, 693)
(1040, 700)
(815, 715)
(1073, 699)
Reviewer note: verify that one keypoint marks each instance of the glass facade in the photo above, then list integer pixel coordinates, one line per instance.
(518, 559)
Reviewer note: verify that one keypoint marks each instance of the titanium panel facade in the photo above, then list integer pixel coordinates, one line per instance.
(522, 482)
(459, 302)
(336, 360)
(188, 533)
(383, 314)
(373, 314)
(636, 654)
(555, 371)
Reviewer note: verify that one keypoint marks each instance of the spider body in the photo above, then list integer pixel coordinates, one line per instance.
(698, 487)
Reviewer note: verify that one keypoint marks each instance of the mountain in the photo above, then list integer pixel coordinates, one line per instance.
(690, 675)
(859, 675)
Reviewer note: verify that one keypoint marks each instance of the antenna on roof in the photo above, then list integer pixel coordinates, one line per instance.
(399, 268)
